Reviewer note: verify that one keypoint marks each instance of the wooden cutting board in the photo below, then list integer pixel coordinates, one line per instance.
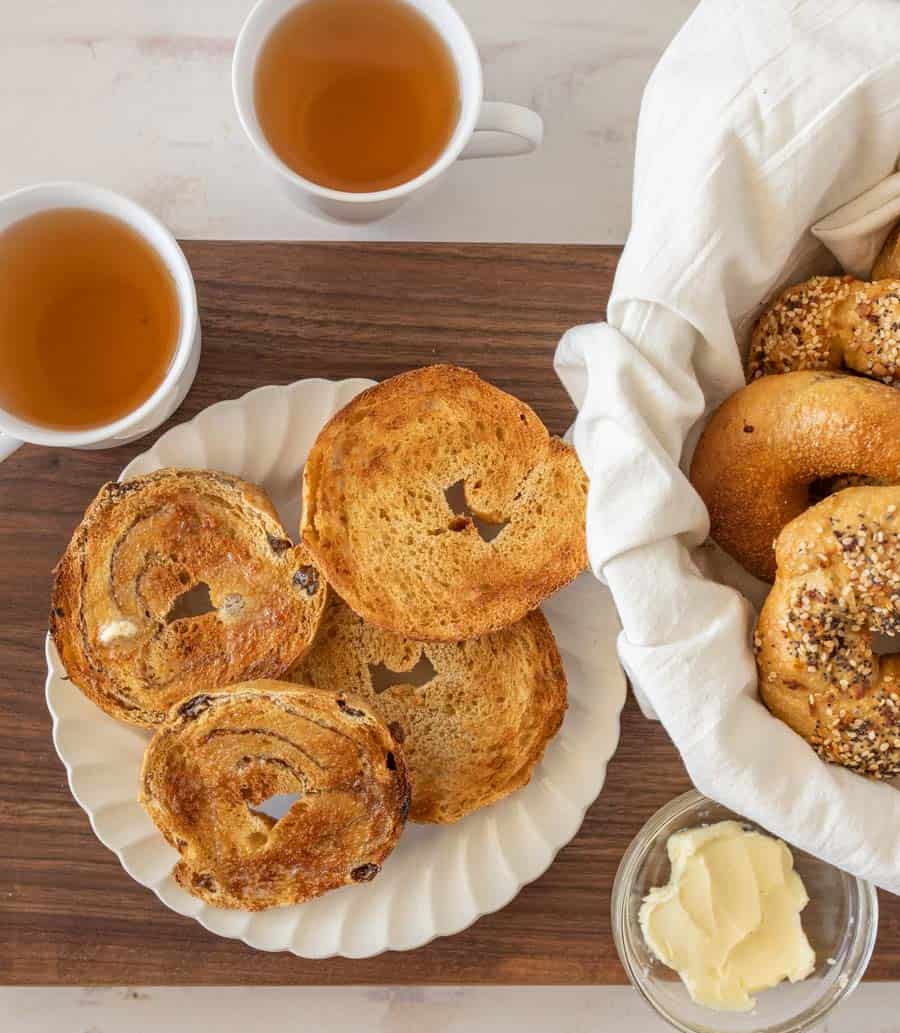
(273, 313)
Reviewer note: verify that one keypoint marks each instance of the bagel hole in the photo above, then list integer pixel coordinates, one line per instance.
(384, 678)
(463, 515)
(822, 487)
(883, 645)
(275, 806)
(193, 603)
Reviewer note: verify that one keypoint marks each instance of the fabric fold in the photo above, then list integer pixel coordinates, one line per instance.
(760, 120)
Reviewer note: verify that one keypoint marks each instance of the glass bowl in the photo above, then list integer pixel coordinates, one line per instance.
(841, 921)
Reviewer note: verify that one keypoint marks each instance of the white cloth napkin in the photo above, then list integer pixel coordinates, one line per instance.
(761, 119)
(856, 232)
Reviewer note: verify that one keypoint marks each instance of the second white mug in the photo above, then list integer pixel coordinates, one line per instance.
(170, 392)
(484, 129)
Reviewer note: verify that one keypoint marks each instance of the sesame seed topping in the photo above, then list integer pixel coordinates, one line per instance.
(820, 640)
(829, 322)
(793, 333)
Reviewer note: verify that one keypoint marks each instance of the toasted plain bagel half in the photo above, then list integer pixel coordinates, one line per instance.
(221, 755)
(177, 581)
(838, 582)
(474, 717)
(378, 520)
(778, 445)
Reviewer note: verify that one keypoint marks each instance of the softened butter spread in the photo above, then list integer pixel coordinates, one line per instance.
(728, 920)
(117, 629)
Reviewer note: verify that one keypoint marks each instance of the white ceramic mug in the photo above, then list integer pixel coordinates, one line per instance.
(170, 393)
(485, 129)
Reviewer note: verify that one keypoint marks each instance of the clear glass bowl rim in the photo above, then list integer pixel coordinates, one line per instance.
(861, 948)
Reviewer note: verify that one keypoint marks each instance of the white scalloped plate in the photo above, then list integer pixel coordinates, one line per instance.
(439, 879)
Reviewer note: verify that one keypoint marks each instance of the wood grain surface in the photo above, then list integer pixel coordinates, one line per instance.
(273, 313)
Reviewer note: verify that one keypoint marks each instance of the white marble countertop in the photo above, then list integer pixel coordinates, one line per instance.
(136, 96)
(873, 1009)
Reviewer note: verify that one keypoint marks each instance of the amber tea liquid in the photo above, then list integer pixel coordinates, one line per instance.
(356, 95)
(89, 319)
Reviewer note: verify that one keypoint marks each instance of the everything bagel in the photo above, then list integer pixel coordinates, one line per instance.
(838, 582)
(830, 322)
(775, 444)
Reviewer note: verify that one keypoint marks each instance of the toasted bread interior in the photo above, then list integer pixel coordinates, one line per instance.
(473, 717)
(378, 520)
(210, 769)
(176, 582)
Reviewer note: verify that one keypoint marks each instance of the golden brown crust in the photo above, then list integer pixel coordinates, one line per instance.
(376, 518)
(838, 582)
(796, 330)
(830, 322)
(887, 264)
(769, 443)
(144, 544)
(222, 754)
(476, 730)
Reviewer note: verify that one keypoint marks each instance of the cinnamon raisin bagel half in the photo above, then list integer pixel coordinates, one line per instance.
(474, 717)
(776, 446)
(838, 583)
(830, 322)
(378, 519)
(221, 755)
(152, 553)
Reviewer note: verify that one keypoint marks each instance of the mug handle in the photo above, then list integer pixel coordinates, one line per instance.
(8, 445)
(504, 130)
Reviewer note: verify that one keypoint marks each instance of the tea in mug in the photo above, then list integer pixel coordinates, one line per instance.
(89, 319)
(357, 95)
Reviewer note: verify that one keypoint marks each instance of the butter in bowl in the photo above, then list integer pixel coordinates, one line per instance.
(720, 926)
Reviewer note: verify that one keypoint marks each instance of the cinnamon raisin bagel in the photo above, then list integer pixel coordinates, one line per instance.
(838, 582)
(830, 322)
(476, 729)
(775, 445)
(376, 515)
(222, 754)
(146, 547)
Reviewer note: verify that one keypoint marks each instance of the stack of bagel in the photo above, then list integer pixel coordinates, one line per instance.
(393, 665)
(800, 473)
